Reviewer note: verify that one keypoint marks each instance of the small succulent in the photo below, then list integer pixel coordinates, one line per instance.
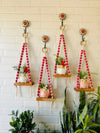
(83, 75)
(42, 85)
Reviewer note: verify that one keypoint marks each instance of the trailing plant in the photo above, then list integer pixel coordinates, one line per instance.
(82, 100)
(22, 123)
(23, 70)
(86, 125)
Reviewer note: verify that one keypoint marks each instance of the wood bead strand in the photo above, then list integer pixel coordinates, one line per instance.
(66, 55)
(66, 58)
(88, 69)
(29, 75)
(79, 68)
(38, 92)
(57, 55)
(48, 77)
(21, 56)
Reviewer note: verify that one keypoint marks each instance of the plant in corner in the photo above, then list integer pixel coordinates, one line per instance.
(61, 65)
(22, 123)
(44, 90)
(94, 107)
(84, 82)
(86, 125)
(23, 77)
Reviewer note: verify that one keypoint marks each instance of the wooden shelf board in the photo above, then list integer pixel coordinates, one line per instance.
(61, 75)
(23, 84)
(45, 99)
(86, 89)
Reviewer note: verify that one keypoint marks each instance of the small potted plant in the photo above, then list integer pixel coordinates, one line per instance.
(84, 82)
(44, 90)
(23, 77)
(61, 65)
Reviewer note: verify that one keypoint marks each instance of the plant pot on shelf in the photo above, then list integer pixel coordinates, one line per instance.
(23, 78)
(44, 93)
(84, 83)
(61, 69)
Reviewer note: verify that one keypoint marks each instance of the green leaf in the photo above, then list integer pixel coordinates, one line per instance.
(13, 112)
(78, 131)
(13, 119)
(11, 124)
(83, 114)
(17, 113)
(95, 109)
(92, 131)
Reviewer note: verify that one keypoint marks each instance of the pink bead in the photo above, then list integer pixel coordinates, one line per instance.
(87, 69)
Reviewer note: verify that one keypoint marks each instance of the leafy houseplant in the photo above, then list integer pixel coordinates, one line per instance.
(22, 123)
(84, 82)
(86, 125)
(94, 107)
(22, 73)
(44, 90)
(61, 65)
(67, 119)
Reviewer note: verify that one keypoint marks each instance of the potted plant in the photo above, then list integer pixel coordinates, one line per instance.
(23, 77)
(61, 65)
(22, 123)
(94, 107)
(84, 82)
(86, 125)
(44, 90)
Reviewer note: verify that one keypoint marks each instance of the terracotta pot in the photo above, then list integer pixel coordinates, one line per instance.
(23, 78)
(44, 93)
(84, 83)
(61, 69)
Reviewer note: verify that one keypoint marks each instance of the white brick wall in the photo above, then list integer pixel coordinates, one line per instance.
(43, 15)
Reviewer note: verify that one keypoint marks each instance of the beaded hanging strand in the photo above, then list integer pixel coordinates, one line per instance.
(44, 61)
(24, 48)
(83, 53)
(62, 27)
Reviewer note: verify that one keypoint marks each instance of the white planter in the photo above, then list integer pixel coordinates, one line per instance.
(23, 78)
(61, 69)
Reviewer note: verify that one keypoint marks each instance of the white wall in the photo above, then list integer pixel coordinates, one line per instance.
(43, 17)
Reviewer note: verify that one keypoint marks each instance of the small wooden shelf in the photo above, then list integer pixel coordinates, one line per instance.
(23, 84)
(45, 99)
(61, 75)
(86, 89)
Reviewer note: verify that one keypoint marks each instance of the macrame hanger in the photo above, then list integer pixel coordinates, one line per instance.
(62, 16)
(24, 48)
(44, 60)
(83, 53)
